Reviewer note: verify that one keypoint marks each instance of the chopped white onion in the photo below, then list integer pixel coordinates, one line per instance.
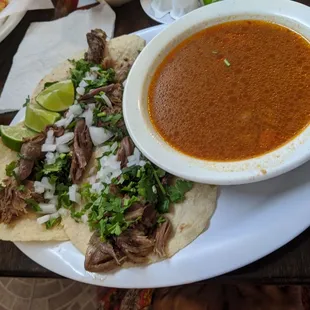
(114, 146)
(99, 135)
(47, 185)
(76, 109)
(48, 147)
(80, 90)
(63, 211)
(94, 69)
(88, 115)
(83, 84)
(50, 158)
(55, 215)
(54, 200)
(48, 195)
(61, 122)
(97, 188)
(142, 163)
(65, 138)
(73, 194)
(63, 148)
(50, 137)
(68, 121)
(91, 106)
(110, 169)
(154, 189)
(107, 100)
(90, 76)
(84, 218)
(47, 208)
(43, 219)
(38, 187)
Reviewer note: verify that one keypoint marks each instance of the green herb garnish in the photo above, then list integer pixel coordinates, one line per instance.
(9, 169)
(53, 222)
(32, 203)
(26, 102)
(227, 63)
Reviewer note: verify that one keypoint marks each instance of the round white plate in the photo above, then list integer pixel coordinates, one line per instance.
(146, 5)
(7, 24)
(250, 222)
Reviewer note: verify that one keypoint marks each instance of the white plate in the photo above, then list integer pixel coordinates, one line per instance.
(250, 222)
(7, 24)
(146, 5)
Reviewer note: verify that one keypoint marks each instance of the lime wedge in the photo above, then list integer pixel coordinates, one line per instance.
(12, 136)
(37, 118)
(57, 97)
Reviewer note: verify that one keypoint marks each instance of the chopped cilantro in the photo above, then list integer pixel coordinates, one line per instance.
(26, 101)
(81, 67)
(21, 188)
(161, 220)
(177, 192)
(9, 169)
(53, 222)
(163, 206)
(35, 206)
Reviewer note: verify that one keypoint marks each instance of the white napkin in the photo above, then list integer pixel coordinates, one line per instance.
(16, 6)
(47, 44)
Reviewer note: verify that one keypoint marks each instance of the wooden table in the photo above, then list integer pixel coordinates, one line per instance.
(290, 264)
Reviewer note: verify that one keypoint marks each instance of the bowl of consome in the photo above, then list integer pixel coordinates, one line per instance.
(221, 96)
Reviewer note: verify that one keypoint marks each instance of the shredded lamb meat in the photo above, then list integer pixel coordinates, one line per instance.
(30, 152)
(12, 201)
(97, 41)
(162, 235)
(101, 256)
(82, 151)
(126, 149)
(133, 245)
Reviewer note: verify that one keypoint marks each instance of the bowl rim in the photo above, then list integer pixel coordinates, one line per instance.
(150, 143)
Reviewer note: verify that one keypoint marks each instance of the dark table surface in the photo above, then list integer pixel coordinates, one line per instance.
(290, 264)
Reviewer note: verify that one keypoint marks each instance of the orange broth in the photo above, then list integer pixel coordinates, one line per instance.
(232, 91)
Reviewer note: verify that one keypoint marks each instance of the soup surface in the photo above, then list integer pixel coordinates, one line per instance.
(232, 91)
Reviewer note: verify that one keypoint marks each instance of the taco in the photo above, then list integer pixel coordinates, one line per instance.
(92, 183)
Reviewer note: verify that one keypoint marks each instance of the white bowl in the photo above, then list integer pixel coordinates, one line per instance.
(288, 13)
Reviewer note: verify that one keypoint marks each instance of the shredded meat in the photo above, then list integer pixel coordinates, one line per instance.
(134, 212)
(126, 149)
(82, 151)
(58, 131)
(97, 41)
(113, 91)
(161, 237)
(122, 70)
(135, 244)
(96, 91)
(101, 256)
(30, 152)
(149, 217)
(12, 201)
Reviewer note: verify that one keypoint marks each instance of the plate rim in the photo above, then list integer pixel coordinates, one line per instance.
(259, 251)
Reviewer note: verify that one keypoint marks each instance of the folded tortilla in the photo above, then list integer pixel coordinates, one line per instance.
(25, 228)
(189, 218)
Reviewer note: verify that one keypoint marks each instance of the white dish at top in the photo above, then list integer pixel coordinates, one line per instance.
(287, 13)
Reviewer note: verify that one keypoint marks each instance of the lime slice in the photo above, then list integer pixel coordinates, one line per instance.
(37, 118)
(57, 97)
(12, 136)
